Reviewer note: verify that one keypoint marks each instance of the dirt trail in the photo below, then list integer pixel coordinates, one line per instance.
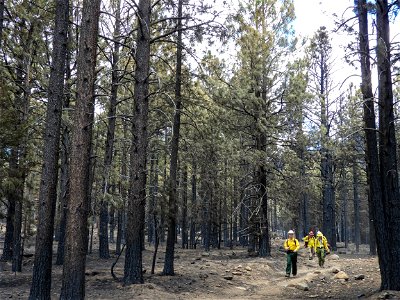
(220, 274)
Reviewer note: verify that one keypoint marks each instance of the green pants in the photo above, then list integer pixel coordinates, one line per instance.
(321, 256)
(291, 263)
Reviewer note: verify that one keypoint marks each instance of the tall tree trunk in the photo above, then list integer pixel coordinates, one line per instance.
(41, 278)
(356, 200)
(104, 251)
(388, 149)
(172, 193)
(224, 213)
(373, 169)
(151, 212)
(65, 154)
(17, 167)
(343, 201)
(372, 236)
(1, 21)
(193, 214)
(123, 191)
(328, 192)
(265, 249)
(185, 242)
(76, 237)
(8, 238)
(17, 242)
(235, 212)
(133, 272)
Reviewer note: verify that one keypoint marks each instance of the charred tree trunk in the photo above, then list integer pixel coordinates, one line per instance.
(387, 153)
(371, 154)
(356, 200)
(193, 211)
(8, 238)
(17, 167)
(1, 21)
(64, 157)
(123, 191)
(41, 279)
(133, 272)
(104, 251)
(76, 237)
(172, 193)
(185, 240)
(265, 249)
(235, 212)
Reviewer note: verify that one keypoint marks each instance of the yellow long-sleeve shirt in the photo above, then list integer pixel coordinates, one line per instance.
(310, 240)
(292, 244)
(321, 243)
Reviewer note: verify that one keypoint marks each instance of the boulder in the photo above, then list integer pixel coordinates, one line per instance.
(342, 275)
(248, 269)
(205, 254)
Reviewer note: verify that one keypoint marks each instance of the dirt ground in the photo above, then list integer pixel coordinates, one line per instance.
(219, 274)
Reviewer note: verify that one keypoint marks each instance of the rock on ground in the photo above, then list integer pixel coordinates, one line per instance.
(342, 275)
(334, 257)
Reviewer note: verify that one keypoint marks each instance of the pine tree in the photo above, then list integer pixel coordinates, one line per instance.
(76, 237)
(41, 280)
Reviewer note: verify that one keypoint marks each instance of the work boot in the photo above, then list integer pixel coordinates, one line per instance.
(287, 275)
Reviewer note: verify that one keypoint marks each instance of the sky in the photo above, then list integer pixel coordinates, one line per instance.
(311, 15)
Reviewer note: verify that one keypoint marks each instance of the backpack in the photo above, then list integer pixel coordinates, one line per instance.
(295, 242)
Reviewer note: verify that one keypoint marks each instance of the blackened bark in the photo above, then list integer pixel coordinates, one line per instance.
(8, 238)
(104, 251)
(356, 201)
(133, 272)
(193, 211)
(41, 279)
(327, 167)
(1, 20)
(372, 236)
(76, 237)
(264, 243)
(172, 191)
(17, 241)
(152, 201)
(65, 156)
(388, 149)
(373, 169)
(185, 240)
(17, 167)
(224, 213)
(235, 212)
(123, 191)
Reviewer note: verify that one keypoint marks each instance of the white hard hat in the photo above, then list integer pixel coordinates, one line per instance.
(290, 232)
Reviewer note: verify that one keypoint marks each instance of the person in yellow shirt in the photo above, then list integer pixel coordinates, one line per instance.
(321, 248)
(309, 242)
(291, 246)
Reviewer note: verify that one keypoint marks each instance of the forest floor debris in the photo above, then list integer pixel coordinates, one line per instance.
(216, 276)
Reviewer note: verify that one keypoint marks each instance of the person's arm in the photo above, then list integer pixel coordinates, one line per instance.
(326, 245)
(285, 245)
